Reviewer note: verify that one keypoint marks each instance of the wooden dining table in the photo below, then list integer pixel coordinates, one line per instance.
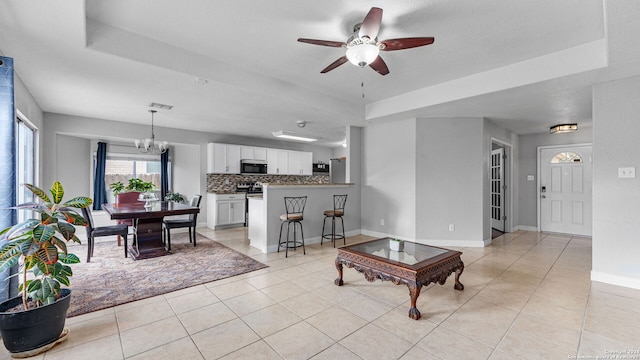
(147, 222)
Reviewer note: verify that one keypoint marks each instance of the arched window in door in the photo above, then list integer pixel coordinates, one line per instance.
(566, 157)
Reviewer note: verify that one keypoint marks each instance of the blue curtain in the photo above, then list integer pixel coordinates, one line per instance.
(164, 174)
(8, 217)
(99, 189)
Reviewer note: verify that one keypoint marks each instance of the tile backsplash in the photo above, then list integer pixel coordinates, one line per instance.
(217, 183)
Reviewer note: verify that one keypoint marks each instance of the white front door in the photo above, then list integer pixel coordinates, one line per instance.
(565, 189)
(497, 189)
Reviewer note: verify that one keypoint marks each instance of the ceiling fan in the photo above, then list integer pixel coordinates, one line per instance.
(363, 47)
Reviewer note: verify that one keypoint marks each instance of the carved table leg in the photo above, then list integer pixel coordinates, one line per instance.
(458, 285)
(414, 292)
(339, 281)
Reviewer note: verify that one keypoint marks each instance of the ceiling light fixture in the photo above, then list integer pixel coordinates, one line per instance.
(563, 128)
(160, 106)
(363, 54)
(283, 134)
(149, 145)
(301, 123)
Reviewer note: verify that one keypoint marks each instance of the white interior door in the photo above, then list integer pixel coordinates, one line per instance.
(497, 189)
(565, 190)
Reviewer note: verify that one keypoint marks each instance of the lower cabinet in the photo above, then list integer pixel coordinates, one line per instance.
(225, 210)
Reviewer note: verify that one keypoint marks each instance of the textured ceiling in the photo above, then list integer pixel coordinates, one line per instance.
(235, 67)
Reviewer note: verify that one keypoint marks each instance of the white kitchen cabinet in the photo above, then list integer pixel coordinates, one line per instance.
(225, 210)
(247, 152)
(307, 163)
(300, 163)
(277, 162)
(260, 153)
(223, 158)
(254, 153)
(295, 160)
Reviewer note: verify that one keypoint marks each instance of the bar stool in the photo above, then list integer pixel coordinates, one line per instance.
(294, 207)
(338, 211)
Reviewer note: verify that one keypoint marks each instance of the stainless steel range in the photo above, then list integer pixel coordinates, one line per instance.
(248, 187)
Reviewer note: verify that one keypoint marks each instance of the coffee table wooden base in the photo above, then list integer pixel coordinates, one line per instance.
(373, 269)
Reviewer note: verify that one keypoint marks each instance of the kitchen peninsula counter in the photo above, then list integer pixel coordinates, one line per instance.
(264, 213)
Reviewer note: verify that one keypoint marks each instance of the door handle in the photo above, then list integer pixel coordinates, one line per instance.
(543, 196)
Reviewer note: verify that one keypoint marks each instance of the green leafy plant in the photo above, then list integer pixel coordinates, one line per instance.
(135, 184)
(39, 245)
(177, 197)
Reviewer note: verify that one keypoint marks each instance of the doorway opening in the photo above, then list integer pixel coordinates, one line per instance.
(500, 166)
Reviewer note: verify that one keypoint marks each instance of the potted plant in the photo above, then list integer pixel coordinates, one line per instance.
(34, 321)
(396, 244)
(135, 184)
(175, 197)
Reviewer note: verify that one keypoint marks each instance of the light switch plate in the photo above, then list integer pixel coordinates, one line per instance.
(627, 172)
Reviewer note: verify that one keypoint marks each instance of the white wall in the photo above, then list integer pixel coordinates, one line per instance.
(186, 158)
(616, 209)
(449, 183)
(74, 161)
(388, 179)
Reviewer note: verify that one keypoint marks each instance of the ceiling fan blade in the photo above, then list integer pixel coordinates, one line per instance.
(334, 65)
(380, 66)
(405, 43)
(371, 24)
(322, 42)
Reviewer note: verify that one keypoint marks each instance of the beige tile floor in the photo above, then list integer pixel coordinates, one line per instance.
(527, 296)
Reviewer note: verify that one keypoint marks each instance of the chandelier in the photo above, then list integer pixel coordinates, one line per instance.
(149, 145)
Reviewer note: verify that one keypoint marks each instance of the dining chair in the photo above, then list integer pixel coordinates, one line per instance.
(127, 197)
(189, 223)
(294, 209)
(339, 202)
(94, 232)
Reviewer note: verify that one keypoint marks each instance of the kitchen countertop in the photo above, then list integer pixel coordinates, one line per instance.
(296, 184)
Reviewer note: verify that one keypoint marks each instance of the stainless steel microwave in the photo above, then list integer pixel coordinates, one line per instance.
(253, 167)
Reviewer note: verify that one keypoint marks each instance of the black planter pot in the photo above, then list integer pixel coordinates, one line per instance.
(33, 328)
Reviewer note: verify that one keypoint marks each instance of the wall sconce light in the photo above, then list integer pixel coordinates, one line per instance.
(563, 128)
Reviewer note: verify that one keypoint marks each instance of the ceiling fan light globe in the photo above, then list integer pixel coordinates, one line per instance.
(362, 54)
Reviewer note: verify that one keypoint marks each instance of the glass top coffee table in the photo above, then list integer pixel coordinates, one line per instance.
(418, 265)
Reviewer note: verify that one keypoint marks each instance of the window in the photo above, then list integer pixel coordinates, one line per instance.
(566, 157)
(122, 167)
(25, 163)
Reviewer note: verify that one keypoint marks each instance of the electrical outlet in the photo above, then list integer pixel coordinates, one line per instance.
(382, 222)
(452, 227)
(627, 172)
(226, 181)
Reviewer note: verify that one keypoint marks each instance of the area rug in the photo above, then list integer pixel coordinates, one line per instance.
(111, 279)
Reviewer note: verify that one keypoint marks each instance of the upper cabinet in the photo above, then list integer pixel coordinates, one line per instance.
(300, 163)
(277, 162)
(223, 158)
(254, 153)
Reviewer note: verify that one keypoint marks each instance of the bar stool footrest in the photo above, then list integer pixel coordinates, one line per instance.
(291, 244)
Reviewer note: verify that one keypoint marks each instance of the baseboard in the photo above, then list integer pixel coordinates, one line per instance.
(456, 243)
(377, 234)
(434, 242)
(527, 228)
(316, 240)
(633, 283)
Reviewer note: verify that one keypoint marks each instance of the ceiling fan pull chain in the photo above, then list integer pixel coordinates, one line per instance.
(362, 81)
